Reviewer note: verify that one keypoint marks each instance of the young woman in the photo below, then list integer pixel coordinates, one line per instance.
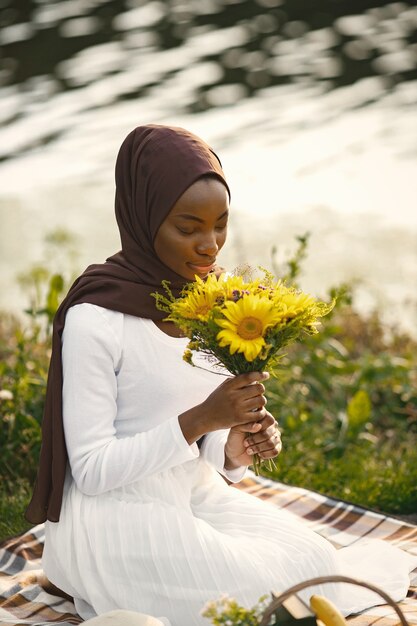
(140, 516)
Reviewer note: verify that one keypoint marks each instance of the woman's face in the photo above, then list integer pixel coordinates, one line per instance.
(195, 229)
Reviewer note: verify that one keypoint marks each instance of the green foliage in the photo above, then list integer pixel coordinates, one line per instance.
(23, 370)
(24, 361)
(346, 401)
(45, 289)
(358, 410)
(14, 499)
(292, 268)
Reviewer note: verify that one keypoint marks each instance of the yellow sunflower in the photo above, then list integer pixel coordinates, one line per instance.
(234, 287)
(211, 283)
(199, 300)
(245, 325)
(292, 303)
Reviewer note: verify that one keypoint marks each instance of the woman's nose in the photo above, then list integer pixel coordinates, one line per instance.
(208, 244)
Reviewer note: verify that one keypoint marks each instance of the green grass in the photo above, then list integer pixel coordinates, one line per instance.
(383, 478)
(12, 507)
(346, 401)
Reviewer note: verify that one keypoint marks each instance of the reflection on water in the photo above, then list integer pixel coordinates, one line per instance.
(312, 107)
(213, 52)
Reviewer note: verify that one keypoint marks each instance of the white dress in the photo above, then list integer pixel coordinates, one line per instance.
(147, 522)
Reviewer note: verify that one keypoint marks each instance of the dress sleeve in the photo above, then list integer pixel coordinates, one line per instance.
(212, 450)
(99, 460)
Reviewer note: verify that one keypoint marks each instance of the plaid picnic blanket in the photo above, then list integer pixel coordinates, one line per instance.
(23, 600)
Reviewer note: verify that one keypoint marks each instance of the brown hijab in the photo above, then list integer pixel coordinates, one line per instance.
(155, 166)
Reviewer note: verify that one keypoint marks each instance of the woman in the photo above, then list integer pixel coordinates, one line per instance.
(140, 517)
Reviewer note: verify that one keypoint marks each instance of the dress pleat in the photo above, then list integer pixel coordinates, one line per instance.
(169, 543)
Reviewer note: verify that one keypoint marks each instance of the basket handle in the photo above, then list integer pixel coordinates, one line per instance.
(277, 601)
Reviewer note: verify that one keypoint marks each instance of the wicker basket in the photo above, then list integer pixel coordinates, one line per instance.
(278, 601)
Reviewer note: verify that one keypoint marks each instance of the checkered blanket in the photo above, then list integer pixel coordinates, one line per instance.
(24, 599)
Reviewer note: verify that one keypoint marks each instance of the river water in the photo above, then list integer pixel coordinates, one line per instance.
(311, 106)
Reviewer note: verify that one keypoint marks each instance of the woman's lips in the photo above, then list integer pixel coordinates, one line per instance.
(201, 269)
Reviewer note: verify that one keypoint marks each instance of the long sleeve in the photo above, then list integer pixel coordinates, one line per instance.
(99, 460)
(212, 450)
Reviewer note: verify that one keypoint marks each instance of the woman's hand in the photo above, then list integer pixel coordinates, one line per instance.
(244, 441)
(238, 400)
(234, 401)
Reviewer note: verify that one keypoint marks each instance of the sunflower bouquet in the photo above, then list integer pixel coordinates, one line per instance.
(241, 325)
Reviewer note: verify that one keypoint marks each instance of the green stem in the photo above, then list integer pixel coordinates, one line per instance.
(257, 464)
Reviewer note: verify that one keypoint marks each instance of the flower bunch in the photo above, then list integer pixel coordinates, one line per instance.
(227, 612)
(241, 325)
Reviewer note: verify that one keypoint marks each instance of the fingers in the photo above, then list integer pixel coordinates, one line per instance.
(248, 427)
(255, 413)
(238, 398)
(249, 397)
(243, 380)
(267, 443)
(260, 443)
(252, 395)
(265, 452)
(267, 422)
(254, 404)
(254, 389)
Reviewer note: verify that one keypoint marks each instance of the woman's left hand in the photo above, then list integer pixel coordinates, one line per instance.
(245, 440)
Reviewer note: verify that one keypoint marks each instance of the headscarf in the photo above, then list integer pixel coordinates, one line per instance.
(154, 167)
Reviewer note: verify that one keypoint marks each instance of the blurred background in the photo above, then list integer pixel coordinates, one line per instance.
(310, 105)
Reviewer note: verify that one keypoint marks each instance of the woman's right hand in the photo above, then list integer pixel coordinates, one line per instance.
(238, 400)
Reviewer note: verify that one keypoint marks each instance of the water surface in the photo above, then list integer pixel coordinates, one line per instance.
(311, 106)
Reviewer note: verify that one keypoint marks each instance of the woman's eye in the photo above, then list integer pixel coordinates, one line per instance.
(220, 228)
(184, 231)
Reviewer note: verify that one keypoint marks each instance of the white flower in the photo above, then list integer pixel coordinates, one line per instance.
(225, 596)
(209, 606)
(5, 394)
